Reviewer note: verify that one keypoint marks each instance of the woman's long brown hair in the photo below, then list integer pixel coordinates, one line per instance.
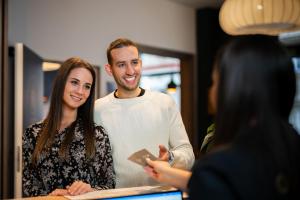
(54, 117)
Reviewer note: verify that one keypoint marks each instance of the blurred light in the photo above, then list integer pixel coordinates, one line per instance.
(50, 66)
(270, 17)
(171, 86)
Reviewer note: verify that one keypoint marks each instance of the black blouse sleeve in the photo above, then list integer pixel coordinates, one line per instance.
(31, 181)
(103, 161)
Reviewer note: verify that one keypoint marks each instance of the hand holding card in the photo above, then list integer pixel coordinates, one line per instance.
(139, 157)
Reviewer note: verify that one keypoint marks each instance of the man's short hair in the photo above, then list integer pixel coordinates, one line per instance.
(119, 43)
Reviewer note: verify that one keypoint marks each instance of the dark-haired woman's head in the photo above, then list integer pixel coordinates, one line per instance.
(256, 82)
(63, 82)
(256, 92)
(73, 89)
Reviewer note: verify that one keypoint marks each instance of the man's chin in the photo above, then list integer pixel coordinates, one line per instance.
(131, 89)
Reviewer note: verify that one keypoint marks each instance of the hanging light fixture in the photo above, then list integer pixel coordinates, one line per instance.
(271, 17)
(171, 86)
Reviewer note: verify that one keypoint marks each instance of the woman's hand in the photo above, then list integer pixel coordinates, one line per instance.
(79, 187)
(161, 171)
(158, 170)
(59, 192)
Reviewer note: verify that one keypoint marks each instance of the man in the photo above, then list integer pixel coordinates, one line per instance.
(135, 119)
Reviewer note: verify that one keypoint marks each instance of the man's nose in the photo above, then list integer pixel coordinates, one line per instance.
(129, 69)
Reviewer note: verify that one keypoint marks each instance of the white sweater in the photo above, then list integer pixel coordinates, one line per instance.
(142, 122)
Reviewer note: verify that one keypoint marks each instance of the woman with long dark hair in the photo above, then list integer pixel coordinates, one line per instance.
(66, 153)
(256, 153)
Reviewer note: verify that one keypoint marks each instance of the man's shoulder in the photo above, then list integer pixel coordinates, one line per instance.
(159, 96)
(161, 100)
(103, 100)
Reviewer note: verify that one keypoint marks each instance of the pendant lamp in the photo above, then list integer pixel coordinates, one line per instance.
(270, 17)
(171, 86)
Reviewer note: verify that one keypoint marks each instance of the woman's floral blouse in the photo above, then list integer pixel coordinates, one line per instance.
(53, 172)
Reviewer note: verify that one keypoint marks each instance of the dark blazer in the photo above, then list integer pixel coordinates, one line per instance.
(237, 173)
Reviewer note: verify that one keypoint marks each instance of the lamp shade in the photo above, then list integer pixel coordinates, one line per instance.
(172, 86)
(270, 17)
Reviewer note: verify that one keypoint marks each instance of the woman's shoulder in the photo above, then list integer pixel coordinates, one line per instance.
(236, 170)
(38, 124)
(215, 157)
(99, 130)
(33, 130)
(229, 162)
(35, 127)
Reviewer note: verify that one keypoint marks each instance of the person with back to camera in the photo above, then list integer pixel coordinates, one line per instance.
(256, 151)
(136, 118)
(66, 153)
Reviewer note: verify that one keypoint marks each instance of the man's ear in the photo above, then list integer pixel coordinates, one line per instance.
(108, 69)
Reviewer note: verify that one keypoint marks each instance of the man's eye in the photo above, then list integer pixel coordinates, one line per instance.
(135, 62)
(121, 65)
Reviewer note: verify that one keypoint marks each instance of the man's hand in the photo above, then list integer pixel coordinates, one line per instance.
(163, 153)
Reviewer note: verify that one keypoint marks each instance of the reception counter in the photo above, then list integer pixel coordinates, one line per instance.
(145, 191)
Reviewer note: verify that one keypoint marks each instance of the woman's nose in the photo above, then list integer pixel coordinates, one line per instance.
(80, 89)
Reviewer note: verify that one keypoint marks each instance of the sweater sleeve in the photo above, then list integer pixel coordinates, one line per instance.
(179, 142)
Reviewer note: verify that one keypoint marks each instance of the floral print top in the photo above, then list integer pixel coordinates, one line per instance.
(52, 172)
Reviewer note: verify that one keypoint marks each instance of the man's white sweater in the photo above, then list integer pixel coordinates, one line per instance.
(142, 122)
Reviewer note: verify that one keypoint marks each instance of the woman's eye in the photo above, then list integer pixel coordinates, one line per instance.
(74, 82)
(88, 87)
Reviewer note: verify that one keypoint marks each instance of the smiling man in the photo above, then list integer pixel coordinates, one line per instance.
(136, 118)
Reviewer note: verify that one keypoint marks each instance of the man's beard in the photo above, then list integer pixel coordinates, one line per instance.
(124, 86)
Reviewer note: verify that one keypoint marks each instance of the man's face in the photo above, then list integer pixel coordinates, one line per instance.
(126, 68)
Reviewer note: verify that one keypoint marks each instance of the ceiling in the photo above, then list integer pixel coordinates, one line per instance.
(200, 3)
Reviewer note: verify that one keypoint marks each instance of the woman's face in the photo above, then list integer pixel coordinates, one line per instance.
(77, 88)
(212, 93)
